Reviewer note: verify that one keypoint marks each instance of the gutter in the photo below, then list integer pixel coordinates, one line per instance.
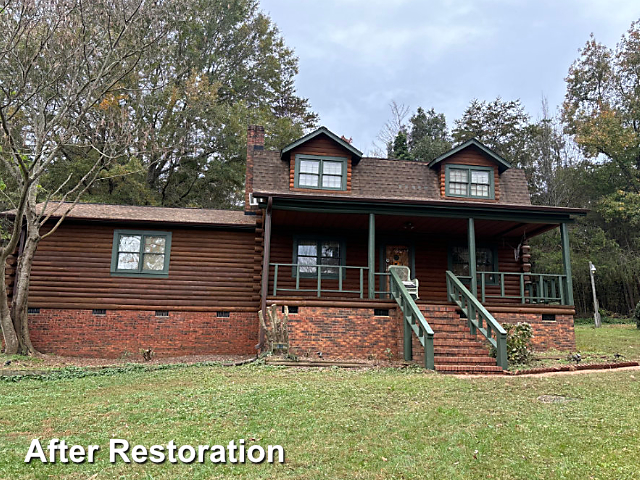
(416, 203)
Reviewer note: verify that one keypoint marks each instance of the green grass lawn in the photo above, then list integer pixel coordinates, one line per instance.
(334, 423)
(623, 339)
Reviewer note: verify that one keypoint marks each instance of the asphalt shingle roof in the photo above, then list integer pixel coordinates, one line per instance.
(382, 178)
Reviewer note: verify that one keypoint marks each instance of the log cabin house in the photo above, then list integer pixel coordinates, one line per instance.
(375, 258)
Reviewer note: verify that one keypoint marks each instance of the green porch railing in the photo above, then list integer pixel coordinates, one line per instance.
(478, 317)
(321, 274)
(412, 318)
(531, 287)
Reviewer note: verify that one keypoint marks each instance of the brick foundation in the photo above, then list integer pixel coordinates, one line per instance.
(357, 333)
(336, 332)
(547, 335)
(121, 332)
(343, 333)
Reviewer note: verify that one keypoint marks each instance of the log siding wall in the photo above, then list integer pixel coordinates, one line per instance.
(430, 258)
(209, 270)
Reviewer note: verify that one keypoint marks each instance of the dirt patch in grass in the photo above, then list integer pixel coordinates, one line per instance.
(49, 362)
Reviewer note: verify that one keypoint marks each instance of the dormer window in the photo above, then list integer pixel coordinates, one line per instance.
(321, 173)
(469, 181)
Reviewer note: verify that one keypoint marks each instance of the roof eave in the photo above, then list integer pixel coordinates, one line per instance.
(322, 130)
(502, 163)
(457, 205)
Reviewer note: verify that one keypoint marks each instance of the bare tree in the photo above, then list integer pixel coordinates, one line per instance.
(389, 132)
(62, 69)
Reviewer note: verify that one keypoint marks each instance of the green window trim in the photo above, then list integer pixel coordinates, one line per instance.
(494, 267)
(469, 169)
(139, 271)
(321, 172)
(319, 240)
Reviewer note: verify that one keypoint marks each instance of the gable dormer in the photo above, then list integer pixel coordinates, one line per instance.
(470, 171)
(320, 162)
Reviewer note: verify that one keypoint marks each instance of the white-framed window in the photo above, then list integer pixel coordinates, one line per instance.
(320, 173)
(469, 181)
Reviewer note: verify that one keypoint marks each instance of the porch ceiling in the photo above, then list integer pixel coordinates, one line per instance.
(408, 224)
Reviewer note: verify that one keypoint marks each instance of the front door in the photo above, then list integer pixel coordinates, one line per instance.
(397, 255)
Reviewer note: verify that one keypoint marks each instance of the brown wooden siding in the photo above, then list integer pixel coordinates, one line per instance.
(470, 157)
(282, 252)
(209, 270)
(431, 263)
(322, 146)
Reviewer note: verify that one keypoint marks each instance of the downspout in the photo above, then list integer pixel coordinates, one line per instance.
(265, 269)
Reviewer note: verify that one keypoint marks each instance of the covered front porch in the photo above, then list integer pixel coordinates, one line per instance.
(345, 256)
(472, 260)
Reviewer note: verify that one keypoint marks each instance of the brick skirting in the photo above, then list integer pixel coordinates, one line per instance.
(343, 333)
(357, 333)
(120, 333)
(336, 332)
(555, 334)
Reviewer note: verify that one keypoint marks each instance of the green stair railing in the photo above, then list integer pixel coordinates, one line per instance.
(412, 320)
(478, 317)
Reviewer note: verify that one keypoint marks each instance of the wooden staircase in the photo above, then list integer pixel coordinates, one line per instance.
(455, 349)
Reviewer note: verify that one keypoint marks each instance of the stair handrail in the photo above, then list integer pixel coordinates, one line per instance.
(412, 317)
(478, 317)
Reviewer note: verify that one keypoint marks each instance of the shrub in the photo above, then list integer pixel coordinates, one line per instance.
(636, 315)
(518, 343)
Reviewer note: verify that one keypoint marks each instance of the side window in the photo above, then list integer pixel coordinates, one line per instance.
(486, 261)
(308, 253)
(140, 253)
(469, 181)
(321, 173)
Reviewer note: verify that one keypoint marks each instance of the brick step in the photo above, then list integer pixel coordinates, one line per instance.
(466, 360)
(449, 328)
(437, 308)
(461, 351)
(447, 321)
(454, 336)
(469, 369)
(442, 341)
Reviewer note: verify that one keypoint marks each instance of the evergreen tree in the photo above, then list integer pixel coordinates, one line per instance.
(428, 137)
(400, 147)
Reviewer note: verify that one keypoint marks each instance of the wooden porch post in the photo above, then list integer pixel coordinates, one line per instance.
(265, 266)
(566, 260)
(472, 258)
(372, 256)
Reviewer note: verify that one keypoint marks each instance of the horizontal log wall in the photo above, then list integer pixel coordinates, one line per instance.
(209, 270)
(431, 263)
(282, 252)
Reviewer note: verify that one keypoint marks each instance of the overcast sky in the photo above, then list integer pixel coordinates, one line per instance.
(356, 56)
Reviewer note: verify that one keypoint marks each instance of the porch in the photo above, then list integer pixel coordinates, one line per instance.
(328, 259)
(347, 257)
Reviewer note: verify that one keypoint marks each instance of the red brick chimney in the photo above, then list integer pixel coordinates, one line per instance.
(255, 141)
